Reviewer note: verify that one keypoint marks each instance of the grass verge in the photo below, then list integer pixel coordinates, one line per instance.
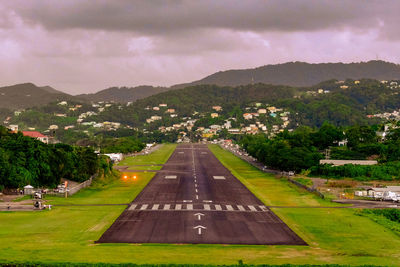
(67, 234)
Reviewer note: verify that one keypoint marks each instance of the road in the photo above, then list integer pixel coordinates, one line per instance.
(195, 200)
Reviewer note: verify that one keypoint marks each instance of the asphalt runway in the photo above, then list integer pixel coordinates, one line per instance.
(196, 200)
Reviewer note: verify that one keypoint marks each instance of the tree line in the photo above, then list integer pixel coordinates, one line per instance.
(24, 160)
(302, 149)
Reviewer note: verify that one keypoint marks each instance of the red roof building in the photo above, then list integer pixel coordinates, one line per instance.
(37, 135)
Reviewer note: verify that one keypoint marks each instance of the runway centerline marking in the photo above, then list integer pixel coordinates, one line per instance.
(218, 177)
(170, 177)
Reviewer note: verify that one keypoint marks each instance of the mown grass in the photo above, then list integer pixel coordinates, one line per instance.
(67, 234)
(144, 168)
(338, 232)
(157, 157)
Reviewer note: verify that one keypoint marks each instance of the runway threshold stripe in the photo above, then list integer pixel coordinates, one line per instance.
(178, 206)
(143, 207)
(189, 206)
(252, 208)
(132, 207)
(155, 207)
(263, 208)
(240, 207)
(167, 206)
(229, 207)
(218, 207)
(207, 207)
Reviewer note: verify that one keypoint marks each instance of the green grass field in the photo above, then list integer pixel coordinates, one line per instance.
(67, 234)
(157, 157)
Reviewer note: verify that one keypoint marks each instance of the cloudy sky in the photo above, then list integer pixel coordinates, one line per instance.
(81, 46)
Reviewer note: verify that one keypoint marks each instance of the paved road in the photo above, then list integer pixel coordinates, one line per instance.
(197, 200)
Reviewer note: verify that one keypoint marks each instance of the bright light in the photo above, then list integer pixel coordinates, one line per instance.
(125, 177)
(134, 177)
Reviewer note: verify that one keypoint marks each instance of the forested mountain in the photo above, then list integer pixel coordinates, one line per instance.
(124, 94)
(302, 74)
(297, 74)
(307, 107)
(26, 95)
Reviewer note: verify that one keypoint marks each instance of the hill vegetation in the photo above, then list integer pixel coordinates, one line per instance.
(297, 74)
(123, 94)
(24, 160)
(340, 106)
(304, 147)
(27, 95)
(302, 74)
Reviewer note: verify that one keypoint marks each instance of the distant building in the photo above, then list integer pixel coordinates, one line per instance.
(217, 108)
(247, 116)
(262, 111)
(340, 162)
(37, 136)
(115, 157)
(13, 128)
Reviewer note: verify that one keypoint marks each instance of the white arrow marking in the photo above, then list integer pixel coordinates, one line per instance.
(199, 227)
(199, 215)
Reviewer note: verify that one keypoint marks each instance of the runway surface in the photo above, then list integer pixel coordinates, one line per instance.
(195, 199)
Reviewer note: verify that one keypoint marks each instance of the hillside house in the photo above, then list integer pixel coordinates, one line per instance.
(214, 115)
(262, 111)
(247, 116)
(36, 135)
(13, 128)
(217, 108)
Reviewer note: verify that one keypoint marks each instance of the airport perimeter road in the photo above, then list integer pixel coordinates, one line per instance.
(197, 200)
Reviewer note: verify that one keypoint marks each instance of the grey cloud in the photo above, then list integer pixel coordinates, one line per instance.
(163, 17)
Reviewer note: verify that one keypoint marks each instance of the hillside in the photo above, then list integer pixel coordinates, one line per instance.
(124, 94)
(301, 74)
(297, 74)
(26, 95)
(338, 106)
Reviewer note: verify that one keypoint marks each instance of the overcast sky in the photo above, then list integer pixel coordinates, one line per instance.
(82, 46)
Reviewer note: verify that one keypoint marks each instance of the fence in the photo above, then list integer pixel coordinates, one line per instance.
(309, 189)
(80, 186)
